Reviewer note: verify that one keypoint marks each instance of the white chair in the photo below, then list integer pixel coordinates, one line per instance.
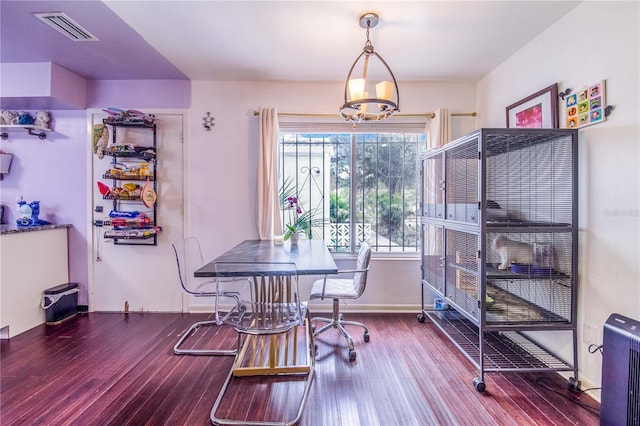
(338, 289)
(189, 259)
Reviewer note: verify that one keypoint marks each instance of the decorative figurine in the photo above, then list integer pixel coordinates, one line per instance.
(30, 214)
(23, 119)
(6, 116)
(41, 119)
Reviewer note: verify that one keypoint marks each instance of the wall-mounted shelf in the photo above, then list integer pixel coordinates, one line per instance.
(40, 132)
(131, 162)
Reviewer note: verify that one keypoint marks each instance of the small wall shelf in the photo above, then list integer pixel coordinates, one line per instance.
(5, 129)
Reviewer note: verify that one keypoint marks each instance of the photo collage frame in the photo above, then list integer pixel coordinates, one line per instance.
(586, 107)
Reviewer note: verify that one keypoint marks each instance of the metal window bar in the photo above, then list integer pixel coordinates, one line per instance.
(353, 186)
(336, 151)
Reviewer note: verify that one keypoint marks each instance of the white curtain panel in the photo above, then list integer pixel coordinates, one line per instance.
(440, 128)
(269, 222)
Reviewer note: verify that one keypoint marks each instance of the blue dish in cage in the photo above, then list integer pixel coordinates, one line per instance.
(537, 271)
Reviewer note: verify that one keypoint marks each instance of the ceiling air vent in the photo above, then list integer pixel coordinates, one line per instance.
(65, 25)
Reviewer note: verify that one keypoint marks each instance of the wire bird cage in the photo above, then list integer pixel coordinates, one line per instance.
(499, 241)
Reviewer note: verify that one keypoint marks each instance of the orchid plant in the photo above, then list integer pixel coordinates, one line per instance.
(298, 221)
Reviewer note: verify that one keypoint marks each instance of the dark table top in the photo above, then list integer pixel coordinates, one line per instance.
(311, 257)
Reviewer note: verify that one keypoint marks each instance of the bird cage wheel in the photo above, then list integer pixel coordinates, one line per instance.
(479, 384)
(366, 337)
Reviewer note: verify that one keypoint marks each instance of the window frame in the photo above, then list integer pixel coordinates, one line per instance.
(324, 124)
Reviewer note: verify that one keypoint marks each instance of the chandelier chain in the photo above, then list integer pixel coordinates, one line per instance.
(368, 27)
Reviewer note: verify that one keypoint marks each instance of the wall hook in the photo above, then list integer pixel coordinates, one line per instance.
(607, 110)
(208, 121)
(564, 93)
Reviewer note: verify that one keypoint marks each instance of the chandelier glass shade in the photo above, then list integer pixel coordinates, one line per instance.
(375, 78)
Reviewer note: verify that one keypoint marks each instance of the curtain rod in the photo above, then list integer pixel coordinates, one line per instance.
(430, 114)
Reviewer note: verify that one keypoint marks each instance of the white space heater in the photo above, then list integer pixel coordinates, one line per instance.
(620, 397)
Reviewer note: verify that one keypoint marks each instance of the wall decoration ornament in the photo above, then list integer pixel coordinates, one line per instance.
(586, 106)
(539, 110)
(208, 121)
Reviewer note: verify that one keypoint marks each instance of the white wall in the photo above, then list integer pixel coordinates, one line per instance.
(609, 278)
(222, 163)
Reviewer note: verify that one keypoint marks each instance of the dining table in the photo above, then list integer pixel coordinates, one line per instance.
(311, 257)
(288, 353)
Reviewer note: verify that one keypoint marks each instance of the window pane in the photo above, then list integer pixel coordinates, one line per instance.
(338, 237)
(320, 170)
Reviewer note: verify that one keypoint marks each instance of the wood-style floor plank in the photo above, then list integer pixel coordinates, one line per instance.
(117, 369)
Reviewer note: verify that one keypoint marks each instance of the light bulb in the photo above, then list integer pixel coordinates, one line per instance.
(384, 90)
(356, 89)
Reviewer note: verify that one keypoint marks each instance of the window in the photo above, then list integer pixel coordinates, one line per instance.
(356, 185)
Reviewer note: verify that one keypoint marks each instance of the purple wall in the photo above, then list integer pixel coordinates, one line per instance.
(54, 172)
(139, 93)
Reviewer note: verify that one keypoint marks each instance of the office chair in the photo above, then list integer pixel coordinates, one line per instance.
(188, 259)
(338, 289)
(266, 320)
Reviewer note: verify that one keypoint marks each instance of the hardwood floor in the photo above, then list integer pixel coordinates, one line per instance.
(117, 369)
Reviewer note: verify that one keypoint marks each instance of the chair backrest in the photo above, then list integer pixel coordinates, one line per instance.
(269, 296)
(188, 258)
(362, 264)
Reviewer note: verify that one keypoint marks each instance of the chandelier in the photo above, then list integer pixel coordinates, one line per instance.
(358, 104)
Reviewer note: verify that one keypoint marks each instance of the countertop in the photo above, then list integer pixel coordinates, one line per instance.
(14, 229)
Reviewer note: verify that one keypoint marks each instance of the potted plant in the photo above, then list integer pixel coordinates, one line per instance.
(298, 221)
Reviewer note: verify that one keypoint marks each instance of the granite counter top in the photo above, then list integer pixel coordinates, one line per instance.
(14, 229)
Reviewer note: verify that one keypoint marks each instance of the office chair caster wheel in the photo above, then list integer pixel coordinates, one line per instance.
(478, 383)
(352, 356)
(366, 336)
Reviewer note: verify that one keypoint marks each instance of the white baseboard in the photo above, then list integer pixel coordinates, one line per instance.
(365, 309)
(202, 309)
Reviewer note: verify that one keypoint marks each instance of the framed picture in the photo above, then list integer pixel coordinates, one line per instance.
(586, 107)
(539, 110)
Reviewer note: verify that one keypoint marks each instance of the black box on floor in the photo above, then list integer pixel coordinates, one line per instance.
(60, 303)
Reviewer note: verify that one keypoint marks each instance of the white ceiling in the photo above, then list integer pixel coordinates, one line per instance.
(318, 40)
(275, 40)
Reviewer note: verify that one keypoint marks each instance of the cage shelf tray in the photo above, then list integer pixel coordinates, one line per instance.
(525, 223)
(503, 351)
(523, 271)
